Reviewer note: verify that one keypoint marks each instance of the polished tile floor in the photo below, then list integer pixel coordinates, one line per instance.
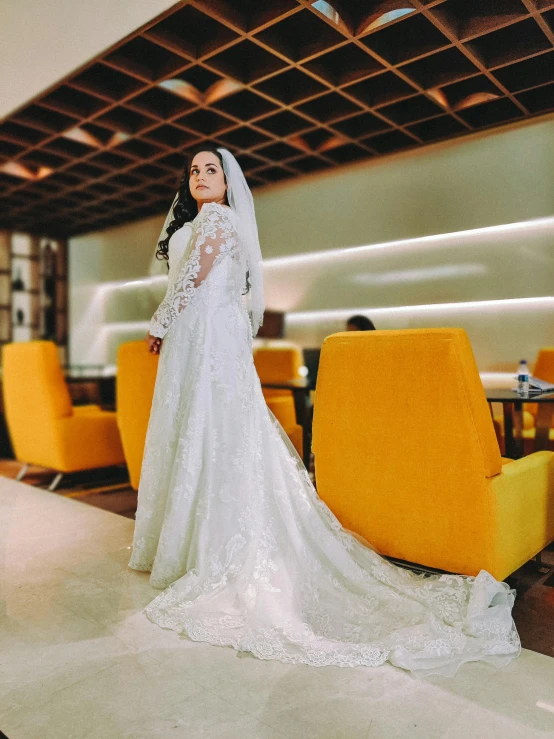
(78, 660)
(110, 489)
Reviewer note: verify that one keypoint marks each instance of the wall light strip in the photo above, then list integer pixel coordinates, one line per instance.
(342, 313)
(433, 240)
(126, 326)
(126, 284)
(331, 254)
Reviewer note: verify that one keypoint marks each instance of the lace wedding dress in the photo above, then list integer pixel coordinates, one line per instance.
(229, 519)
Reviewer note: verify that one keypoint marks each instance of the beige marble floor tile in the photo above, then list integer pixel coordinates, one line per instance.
(142, 635)
(213, 667)
(204, 715)
(327, 702)
(511, 693)
(132, 690)
(48, 652)
(359, 706)
(87, 599)
(72, 634)
(478, 723)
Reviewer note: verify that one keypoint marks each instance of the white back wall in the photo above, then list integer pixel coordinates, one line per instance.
(104, 307)
(459, 190)
(495, 178)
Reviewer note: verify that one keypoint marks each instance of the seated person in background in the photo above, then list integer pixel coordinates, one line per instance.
(359, 323)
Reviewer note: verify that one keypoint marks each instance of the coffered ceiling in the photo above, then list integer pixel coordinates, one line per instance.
(290, 86)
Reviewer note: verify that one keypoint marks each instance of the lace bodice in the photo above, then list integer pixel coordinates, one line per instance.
(176, 248)
(214, 238)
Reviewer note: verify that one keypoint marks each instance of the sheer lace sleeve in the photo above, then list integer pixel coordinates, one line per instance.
(214, 235)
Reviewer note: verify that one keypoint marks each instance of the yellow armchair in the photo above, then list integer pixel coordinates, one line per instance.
(281, 364)
(44, 427)
(544, 366)
(136, 377)
(406, 455)
(284, 411)
(544, 370)
(277, 364)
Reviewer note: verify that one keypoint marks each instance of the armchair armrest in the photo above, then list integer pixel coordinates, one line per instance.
(88, 440)
(523, 502)
(84, 409)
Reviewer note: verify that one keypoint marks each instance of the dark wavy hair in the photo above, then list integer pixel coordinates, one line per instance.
(186, 207)
(362, 323)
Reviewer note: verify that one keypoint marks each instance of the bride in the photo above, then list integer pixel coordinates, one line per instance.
(228, 521)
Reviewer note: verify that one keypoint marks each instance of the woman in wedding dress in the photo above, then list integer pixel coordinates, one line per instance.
(228, 521)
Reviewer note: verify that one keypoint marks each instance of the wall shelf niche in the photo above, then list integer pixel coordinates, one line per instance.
(33, 289)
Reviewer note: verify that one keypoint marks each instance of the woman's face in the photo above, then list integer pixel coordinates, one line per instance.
(206, 180)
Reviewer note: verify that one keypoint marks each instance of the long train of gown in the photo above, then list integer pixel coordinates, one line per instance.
(229, 520)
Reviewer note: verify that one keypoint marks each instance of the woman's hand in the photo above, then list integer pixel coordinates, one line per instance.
(154, 344)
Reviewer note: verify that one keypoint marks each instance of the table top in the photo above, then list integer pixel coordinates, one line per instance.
(494, 395)
(503, 395)
(292, 385)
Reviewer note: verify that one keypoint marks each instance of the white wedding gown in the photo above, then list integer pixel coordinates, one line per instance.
(229, 519)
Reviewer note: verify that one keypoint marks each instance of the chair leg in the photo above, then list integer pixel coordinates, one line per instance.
(22, 472)
(55, 482)
(542, 568)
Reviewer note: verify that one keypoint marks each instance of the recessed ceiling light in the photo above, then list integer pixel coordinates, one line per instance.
(89, 139)
(384, 18)
(82, 137)
(183, 90)
(438, 96)
(15, 169)
(475, 99)
(187, 91)
(327, 9)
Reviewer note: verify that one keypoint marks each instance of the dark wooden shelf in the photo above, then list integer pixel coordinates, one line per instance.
(28, 257)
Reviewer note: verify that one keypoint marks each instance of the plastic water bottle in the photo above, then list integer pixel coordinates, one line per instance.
(523, 379)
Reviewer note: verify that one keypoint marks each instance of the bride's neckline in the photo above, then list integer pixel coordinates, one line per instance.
(212, 202)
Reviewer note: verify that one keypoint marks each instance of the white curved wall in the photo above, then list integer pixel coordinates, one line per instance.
(501, 178)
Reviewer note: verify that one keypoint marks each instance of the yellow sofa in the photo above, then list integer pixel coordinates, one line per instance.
(136, 377)
(45, 429)
(281, 364)
(406, 455)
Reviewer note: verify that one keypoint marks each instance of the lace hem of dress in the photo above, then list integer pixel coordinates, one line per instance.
(486, 634)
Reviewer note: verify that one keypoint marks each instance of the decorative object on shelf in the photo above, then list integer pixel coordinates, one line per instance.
(17, 282)
(33, 289)
(49, 270)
